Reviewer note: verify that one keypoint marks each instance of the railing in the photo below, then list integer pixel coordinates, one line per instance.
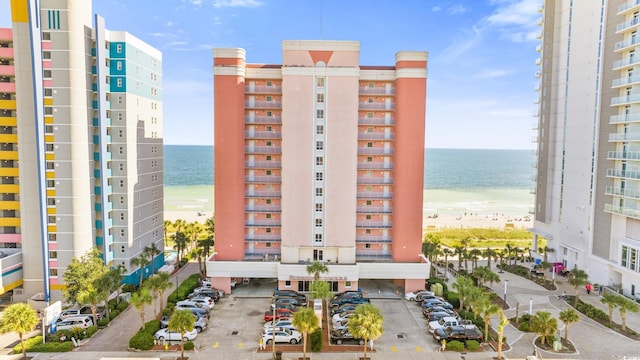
(262, 134)
(262, 237)
(626, 24)
(262, 89)
(377, 90)
(254, 208)
(616, 191)
(255, 222)
(625, 80)
(376, 121)
(628, 5)
(372, 238)
(628, 174)
(374, 210)
(623, 155)
(262, 193)
(377, 106)
(268, 179)
(625, 62)
(263, 120)
(626, 43)
(374, 195)
(263, 164)
(375, 136)
(263, 104)
(375, 180)
(374, 151)
(261, 252)
(373, 255)
(629, 212)
(375, 166)
(624, 137)
(620, 119)
(262, 149)
(374, 224)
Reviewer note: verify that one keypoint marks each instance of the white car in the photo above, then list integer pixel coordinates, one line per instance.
(338, 318)
(189, 304)
(282, 336)
(287, 324)
(166, 335)
(206, 302)
(69, 323)
(413, 296)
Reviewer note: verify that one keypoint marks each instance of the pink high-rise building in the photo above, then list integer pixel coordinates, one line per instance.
(319, 159)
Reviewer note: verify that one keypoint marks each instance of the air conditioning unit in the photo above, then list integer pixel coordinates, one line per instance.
(18, 291)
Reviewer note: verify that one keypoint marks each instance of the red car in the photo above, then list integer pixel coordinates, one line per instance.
(280, 314)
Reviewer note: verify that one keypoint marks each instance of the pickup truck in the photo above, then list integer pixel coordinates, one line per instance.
(449, 321)
(460, 333)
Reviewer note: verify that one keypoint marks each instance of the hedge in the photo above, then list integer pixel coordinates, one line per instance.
(35, 344)
(122, 306)
(452, 298)
(144, 339)
(472, 345)
(184, 289)
(455, 345)
(189, 345)
(316, 340)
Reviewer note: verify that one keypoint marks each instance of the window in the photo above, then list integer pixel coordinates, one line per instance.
(269, 128)
(267, 244)
(318, 222)
(53, 254)
(48, 129)
(46, 54)
(318, 191)
(268, 201)
(269, 98)
(268, 230)
(120, 116)
(53, 237)
(119, 83)
(370, 115)
(320, 98)
(122, 233)
(51, 219)
(269, 83)
(318, 176)
(368, 217)
(121, 199)
(51, 183)
(371, 85)
(50, 166)
(268, 172)
(369, 158)
(121, 183)
(320, 114)
(287, 283)
(370, 129)
(370, 100)
(118, 65)
(369, 202)
(46, 36)
(268, 157)
(49, 147)
(318, 207)
(47, 73)
(347, 284)
(269, 143)
(121, 150)
(53, 272)
(367, 246)
(318, 237)
(317, 255)
(623, 258)
(120, 133)
(269, 113)
(319, 145)
(369, 188)
(320, 129)
(119, 48)
(122, 216)
(367, 231)
(319, 160)
(268, 216)
(320, 82)
(369, 144)
(48, 92)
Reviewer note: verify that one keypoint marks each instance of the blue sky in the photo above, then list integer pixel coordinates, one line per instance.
(481, 55)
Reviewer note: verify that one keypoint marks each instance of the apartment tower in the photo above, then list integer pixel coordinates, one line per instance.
(89, 115)
(319, 159)
(588, 173)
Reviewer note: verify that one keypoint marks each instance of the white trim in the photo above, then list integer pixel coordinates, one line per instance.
(412, 56)
(411, 73)
(381, 75)
(320, 45)
(312, 71)
(230, 53)
(257, 73)
(229, 70)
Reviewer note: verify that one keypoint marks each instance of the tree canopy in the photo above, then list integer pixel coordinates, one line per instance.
(366, 324)
(81, 273)
(181, 321)
(20, 318)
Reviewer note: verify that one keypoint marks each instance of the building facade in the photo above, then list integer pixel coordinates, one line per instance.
(588, 182)
(89, 114)
(319, 159)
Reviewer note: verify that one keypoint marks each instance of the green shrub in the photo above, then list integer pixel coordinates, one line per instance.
(114, 314)
(432, 281)
(168, 310)
(452, 298)
(455, 345)
(472, 345)
(122, 306)
(142, 341)
(189, 345)
(316, 340)
(35, 344)
(128, 288)
(524, 318)
(112, 304)
(152, 326)
(103, 322)
(524, 327)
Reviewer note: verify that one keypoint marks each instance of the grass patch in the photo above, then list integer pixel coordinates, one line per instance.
(484, 237)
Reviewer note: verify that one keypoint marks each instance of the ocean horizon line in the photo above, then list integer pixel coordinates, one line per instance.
(426, 148)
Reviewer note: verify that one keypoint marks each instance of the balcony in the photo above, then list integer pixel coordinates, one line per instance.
(374, 195)
(620, 64)
(6, 53)
(539, 48)
(627, 80)
(262, 89)
(616, 191)
(627, 118)
(375, 136)
(373, 238)
(263, 223)
(263, 120)
(374, 151)
(375, 166)
(538, 74)
(260, 254)
(372, 224)
(621, 210)
(376, 106)
(373, 255)
(538, 61)
(623, 155)
(262, 193)
(262, 149)
(374, 210)
(621, 45)
(377, 90)
(624, 174)
(627, 24)
(624, 137)
(626, 99)
(265, 209)
(267, 179)
(263, 164)
(263, 104)
(376, 121)
(375, 180)
(262, 237)
(263, 134)
(627, 6)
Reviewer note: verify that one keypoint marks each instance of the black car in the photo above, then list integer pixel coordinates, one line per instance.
(289, 300)
(349, 300)
(436, 315)
(343, 308)
(290, 293)
(281, 305)
(212, 293)
(346, 295)
(341, 336)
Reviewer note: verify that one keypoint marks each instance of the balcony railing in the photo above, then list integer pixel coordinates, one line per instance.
(620, 210)
(621, 119)
(628, 5)
(262, 89)
(265, 209)
(626, 43)
(623, 155)
(263, 104)
(263, 164)
(374, 195)
(263, 193)
(377, 106)
(625, 99)
(624, 137)
(374, 224)
(377, 90)
(262, 237)
(374, 180)
(262, 134)
(627, 174)
(626, 24)
(263, 120)
(625, 80)
(374, 151)
(260, 253)
(267, 179)
(372, 238)
(376, 121)
(625, 62)
(263, 223)
(262, 149)
(377, 255)
(375, 166)
(374, 210)
(375, 136)
(616, 191)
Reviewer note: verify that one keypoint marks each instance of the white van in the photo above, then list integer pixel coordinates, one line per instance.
(69, 323)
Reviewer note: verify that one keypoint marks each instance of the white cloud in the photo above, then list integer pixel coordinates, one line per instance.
(516, 19)
(236, 3)
(460, 45)
(170, 23)
(491, 74)
(436, 8)
(456, 9)
(217, 20)
(193, 2)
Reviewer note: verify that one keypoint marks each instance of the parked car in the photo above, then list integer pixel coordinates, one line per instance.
(205, 301)
(426, 296)
(434, 302)
(343, 308)
(197, 311)
(413, 296)
(449, 321)
(281, 305)
(436, 315)
(290, 300)
(200, 323)
(349, 300)
(340, 317)
(438, 308)
(212, 293)
(346, 295)
(84, 310)
(341, 325)
(279, 314)
(301, 297)
(459, 333)
(166, 335)
(341, 336)
(81, 321)
(283, 323)
(189, 304)
(282, 336)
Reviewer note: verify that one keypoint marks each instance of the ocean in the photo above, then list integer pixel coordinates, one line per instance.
(481, 181)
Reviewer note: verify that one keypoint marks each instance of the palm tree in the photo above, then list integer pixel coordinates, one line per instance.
(210, 227)
(625, 305)
(199, 253)
(463, 285)
(446, 252)
(366, 324)
(459, 251)
(152, 250)
(491, 277)
(501, 255)
(139, 300)
(306, 321)
(490, 253)
(480, 274)
(167, 223)
(320, 290)
(501, 325)
(568, 316)
(157, 285)
(611, 301)
(179, 224)
(486, 310)
(577, 278)
(111, 281)
(93, 295)
(509, 250)
(465, 245)
(179, 243)
(544, 325)
(317, 268)
(181, 321)
(206, 245)
(193, 230)
(141, 262)
(20, 318)
(475, 296)
(474, 255)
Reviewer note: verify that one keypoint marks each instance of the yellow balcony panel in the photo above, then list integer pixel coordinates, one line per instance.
(9, 138)
(50, 156)
(60, 287)
(12, 172)
(48, 120)
(11, 286)
(8, 121)
(8, 104)
(10, 222)
(48, 138)
(8, 155)
(52, 228)
(50, 174)
(51, 211)
(48, 101)
(10, 188)
(9, 205)
(51, 192)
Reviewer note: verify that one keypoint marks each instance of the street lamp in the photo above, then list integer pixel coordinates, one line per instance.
(177, 286)
(506, 283)
(530, 310)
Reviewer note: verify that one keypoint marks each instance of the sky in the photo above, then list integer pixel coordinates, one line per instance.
(480, 85)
